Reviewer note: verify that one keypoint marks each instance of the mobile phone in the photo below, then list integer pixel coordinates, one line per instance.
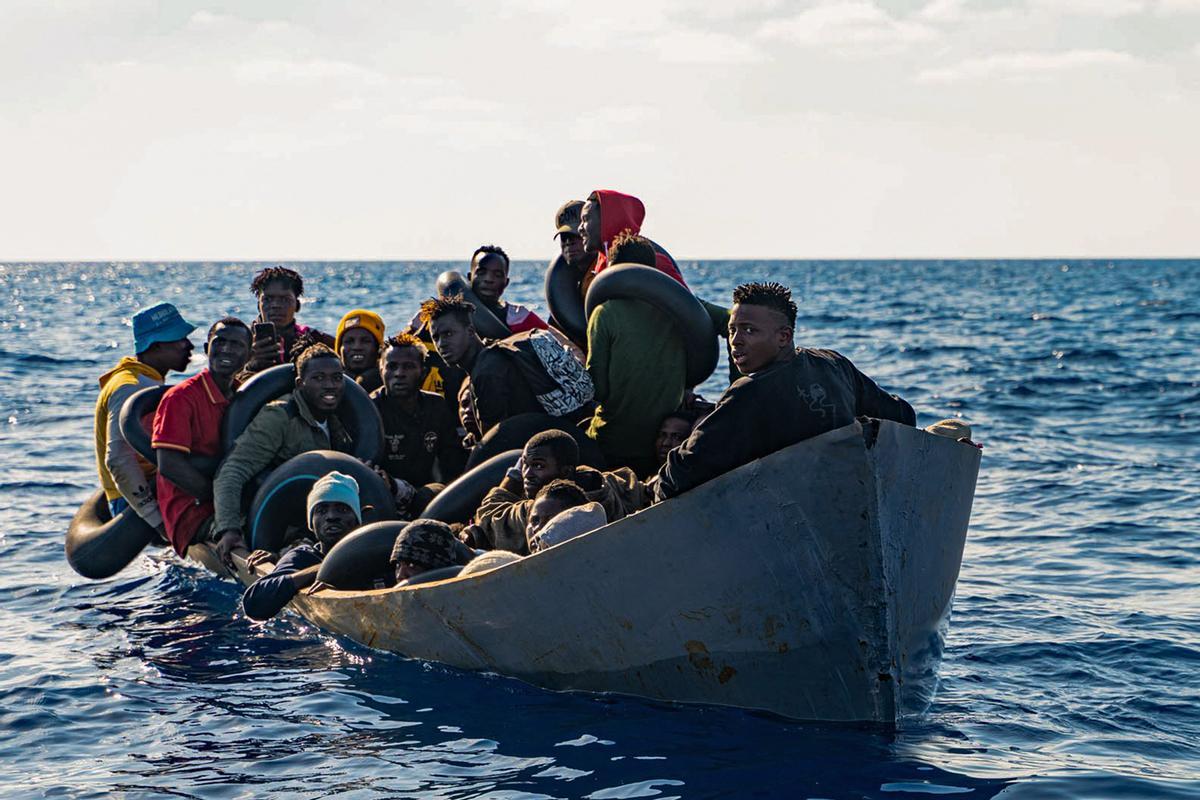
(264, 331)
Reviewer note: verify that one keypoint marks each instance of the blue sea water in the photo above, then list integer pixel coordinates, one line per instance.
(1072, 667)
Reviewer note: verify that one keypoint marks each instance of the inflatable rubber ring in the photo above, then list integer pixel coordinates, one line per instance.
(356, 411)
(515, 431)
(143, 402)
(564, 301)
(636, 282)
(562, 298)
(487, 325)
(429, 576)
(364, 556)
(459, 500)
(280, 501)
(99, 545)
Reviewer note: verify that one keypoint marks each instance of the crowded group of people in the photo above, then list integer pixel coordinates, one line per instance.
(440, 387)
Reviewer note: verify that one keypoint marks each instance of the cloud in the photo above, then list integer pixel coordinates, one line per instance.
(943, 12)
(269, 70)
(855, 26)
(1092, 8)
(206, 20)
(612, 122)
(702, 47)
(1010, 66)
(1167, 7)
(655, 34)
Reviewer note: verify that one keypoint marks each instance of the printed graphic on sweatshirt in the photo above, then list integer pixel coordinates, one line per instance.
(818, 400)
(574, 384)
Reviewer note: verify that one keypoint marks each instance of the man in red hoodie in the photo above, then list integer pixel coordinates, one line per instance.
(606, 214)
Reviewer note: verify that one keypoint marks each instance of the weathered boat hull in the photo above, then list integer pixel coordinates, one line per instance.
(814, 583)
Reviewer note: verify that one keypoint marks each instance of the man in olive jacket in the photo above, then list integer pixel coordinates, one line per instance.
(295, 423)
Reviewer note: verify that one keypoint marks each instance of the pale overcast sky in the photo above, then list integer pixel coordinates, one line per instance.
(750, 128)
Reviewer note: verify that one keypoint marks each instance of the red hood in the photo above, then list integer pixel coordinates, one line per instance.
(619, 213)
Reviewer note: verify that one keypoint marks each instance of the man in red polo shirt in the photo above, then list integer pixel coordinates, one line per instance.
(188, 422)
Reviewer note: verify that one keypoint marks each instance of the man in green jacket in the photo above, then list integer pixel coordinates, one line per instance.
(295, 423)
(638, 365)
(503, 517)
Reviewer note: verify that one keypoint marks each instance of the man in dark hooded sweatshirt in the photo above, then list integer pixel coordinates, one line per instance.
(787, 394)
(529, 372)
(607, 214)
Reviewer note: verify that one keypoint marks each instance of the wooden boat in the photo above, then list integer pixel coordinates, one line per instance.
(815, 583)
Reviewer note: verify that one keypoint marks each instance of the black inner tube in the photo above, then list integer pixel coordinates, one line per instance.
(458, 501)
(486, 323)
(99, 545)
(565, 301)
(636, 282)
(364, 556)
(361, 558)
(356, 411)
(280, 502)
(141, 403)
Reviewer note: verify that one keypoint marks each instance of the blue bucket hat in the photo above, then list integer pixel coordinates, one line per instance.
(160, 322)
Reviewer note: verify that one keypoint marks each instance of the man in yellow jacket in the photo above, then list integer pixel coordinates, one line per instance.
(161, 343)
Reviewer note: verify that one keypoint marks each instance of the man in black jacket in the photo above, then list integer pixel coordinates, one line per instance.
(418, 429)
(528, 372)
(787, 394)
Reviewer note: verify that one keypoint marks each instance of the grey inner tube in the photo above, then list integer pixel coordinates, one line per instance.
(280, 503)
(515, 431)
(356, 411)
(566, 303)
(99, 545)
(143, 402)
(635, 282)
(458, 501)
(364, 556)
(486, 323)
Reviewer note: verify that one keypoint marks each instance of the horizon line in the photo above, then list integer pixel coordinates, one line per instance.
(782, 259)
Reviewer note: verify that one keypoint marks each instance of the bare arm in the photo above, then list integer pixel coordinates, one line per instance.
(175, 467)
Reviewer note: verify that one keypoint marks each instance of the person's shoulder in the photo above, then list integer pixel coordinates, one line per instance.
(822, 354)
(317, 335)
(430, 400)
(280, 407)
(187, 386)
(305, 551)
(494, 356)
(748, 384)
(831, 359)
(515, 312)
(186, 393)
(590, 479)
(622, 475)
